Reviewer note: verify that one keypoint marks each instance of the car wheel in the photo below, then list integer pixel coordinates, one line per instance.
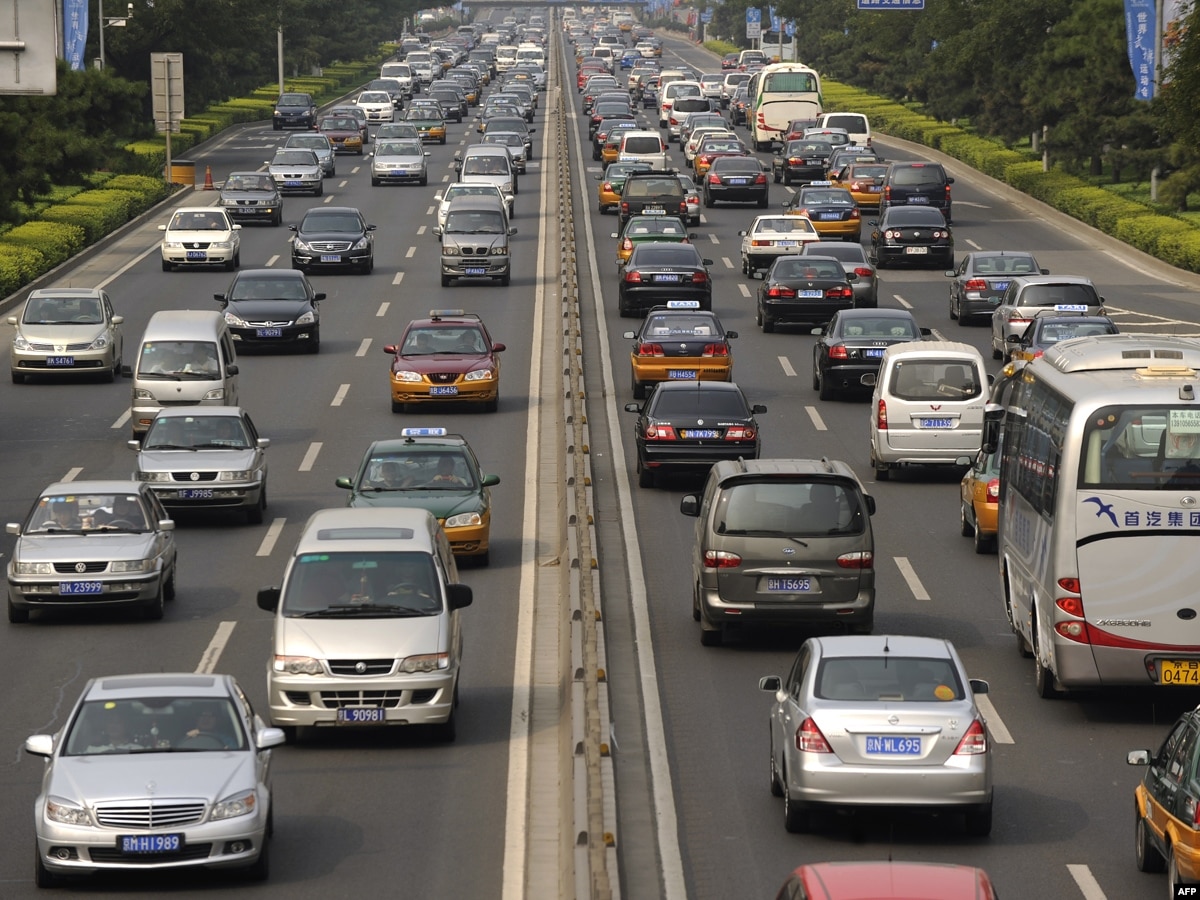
(639, 389)
(445, 281)
(708, 200)
(768, 324)
(787, 179)
(153, 611)
(796, 819)
(397, 406)
(996, 354)
(1145, 854)
(278, 220)
(954, 312)
(260, 869)
(166, 266)
(965, 528)
(983, 544)
(254, 515)
(442, 142)
(319, 191)
(762, 203)
(18, 615)
(169, 586)
(110, 374)
(826, 389)
(374, 182)
(483, 560)
(231, 264)
(17, 378)
(42, 876)
(710, 635)
(492, 405)
(880, 263)
(979, 820)
(505, 279)
(778, 177)
(776, 784)
(645, 475)
(882, 472)
(424, 180)
(696, 603)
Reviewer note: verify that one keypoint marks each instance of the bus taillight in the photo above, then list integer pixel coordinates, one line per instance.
(1073, 631)
(1069, 584)
(1072, 606)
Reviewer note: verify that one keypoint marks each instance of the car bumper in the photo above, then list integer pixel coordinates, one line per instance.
(291, 334)
(344, 259)
(642, 298)
(435, 135)
(980, 308)
(348, 146)
(781, 612)
(957, 444)
(822, 778)
(762, 257)
(44, 592)
(466, 391)
(469, 540)
(25, 363)
(482, 267)
(851, 230)
(933, 256)
(813, 312)
(394, 177)
(305, 122)
(848, 377)
(303, 186)
(698, 456)
(737, 194)
(304, 700)
(701, 371)
(212, 257)
(227, 496)
(805, 173)
(988, 517)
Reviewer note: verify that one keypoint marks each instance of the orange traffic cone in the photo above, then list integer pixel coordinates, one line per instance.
(208, 182)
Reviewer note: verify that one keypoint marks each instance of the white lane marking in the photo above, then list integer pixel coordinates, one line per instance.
(123, 419)
(353, 171)
(974, 246)
(937, 334)
(342, 390)
(363, 347)
(212, 653)
(310, 456)
(910, 575)
(714, 239)
(328, 198)
(451, 166)
(1086, 882)
(902, 301)
(818, 422)
(728, 262)
(745, 290)
(786, 365)
(72, 474)
(397, 278)
(445, 178)
(438, 196)
(268, 542)
(383, 308)
(995, 724)
(421, 230)
(703, 219)
(274, 259)
(412, 251)
(789, 189)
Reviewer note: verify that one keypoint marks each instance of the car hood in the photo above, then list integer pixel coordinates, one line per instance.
(202, 236)
(351, 236)
(321, 151)
(275, 310)
(82, 547)
(61, 334)
(289, 168)
(260, 196)
(194, 460)
(443, 504)
(398, 160)
(349, 639)
(209, 774)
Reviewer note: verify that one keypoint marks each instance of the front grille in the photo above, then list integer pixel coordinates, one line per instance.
(250, 202)
(330, 246)
(68, 348)
(473, 251)
(199, 476)
(442, 377)
(176, 403)
(373, 666)
(269, 324)
(298, 698)
(150, 814)
(386, 699)
(80, 568)
(196, 245)
(114, 855)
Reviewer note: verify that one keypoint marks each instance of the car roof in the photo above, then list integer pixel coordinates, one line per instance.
(156, 684)
(841, 645)
(321, 210)
(399, 445)
(356, 529)
(66, 292)
(732, 468)
(880, 879)
(173, 412)
(1025, 280)
(698, 387)
(876, 313)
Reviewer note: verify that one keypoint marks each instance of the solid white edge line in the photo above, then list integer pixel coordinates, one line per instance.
(208, 659)
(1086, 882)
(910, 576)
(996, 725)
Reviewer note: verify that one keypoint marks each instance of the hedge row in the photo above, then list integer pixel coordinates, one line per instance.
(721, 48)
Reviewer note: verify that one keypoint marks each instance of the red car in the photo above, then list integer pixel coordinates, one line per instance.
(887, 881)
(729, 62)
(448, 357)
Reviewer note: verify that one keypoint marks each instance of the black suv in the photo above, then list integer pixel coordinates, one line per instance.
(653, 193)
(295, 111)
(916, 184)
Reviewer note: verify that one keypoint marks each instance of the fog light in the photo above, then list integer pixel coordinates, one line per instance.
(238, 846)
(62, 853)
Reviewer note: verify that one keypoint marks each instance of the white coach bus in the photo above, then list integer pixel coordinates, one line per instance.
(780, 93)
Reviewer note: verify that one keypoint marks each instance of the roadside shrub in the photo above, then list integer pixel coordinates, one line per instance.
(55, 241)
(19, 265)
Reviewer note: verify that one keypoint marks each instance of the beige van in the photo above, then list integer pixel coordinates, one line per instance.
(927, 407)
(186, 358)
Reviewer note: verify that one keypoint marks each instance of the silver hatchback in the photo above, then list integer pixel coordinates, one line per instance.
(65, 331)
(879, 721)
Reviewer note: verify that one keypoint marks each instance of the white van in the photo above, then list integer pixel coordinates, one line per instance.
(367, 629)
(927, 407)
(402, 72)
(531, 53)
(672, 92)
(186, 358)
(643, 146)
(506, 57)
(856, 125)
(607, 56)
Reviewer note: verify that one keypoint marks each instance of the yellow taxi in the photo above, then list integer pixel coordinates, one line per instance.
(649, 229)
(859, 180)
(612, 182)
(679, 342)
(831, 210)
(449, 357)
(979, 492)
(611, 148)
(1166, 837)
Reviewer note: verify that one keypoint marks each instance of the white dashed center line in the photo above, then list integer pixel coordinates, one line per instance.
(745, 290)
(342, 390)
(910, 575)
(818, 422)
(363, 347)
(383, 308)
(269, 539)
(310, 456)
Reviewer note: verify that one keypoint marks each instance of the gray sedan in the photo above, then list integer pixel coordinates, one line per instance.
(318, 144)
(1027, 294)
(399, 161)
(854, 260)
(155, 771)
(879, 721)
(982, 277)
(297, 172)
(66, 331)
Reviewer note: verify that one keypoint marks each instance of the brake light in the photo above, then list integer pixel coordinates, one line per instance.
(714, 179)
(761, 179)
(705, 160)
(973, 742)
(762, 119)
(1072, 606)
(699, 277)
(650, 350)
(660, 433)
(795, 161)
(624, 206)
(863, 272)
(809, 738)
(683, 209)
(721, 559)
(887, 193)
(1070, 584)
(1013, 321)
(976, 284)
(633, 276)
(854, 214)
(740, 433)
(993, 490)
(627, 244)
(715, 350)
(881, 416)
(672, 121)
(835, 293)
(778, 291)
(761, 243)
(862, 559)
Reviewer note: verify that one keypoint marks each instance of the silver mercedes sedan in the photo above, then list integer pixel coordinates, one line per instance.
(154, 772)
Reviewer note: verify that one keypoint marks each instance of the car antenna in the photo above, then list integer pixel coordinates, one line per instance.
(886, 650)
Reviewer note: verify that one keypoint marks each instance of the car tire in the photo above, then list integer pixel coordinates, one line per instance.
(111, 373)
(826, 390)
(712, 636)
(979, 820)
(442, 142)
(767, 324)
(505, 279)
(708, 200)
(374, 182)
(424, 180)
(1145, 854)
(645, 475)
(965, 528)
(320, 190)
(881, 470)
(445, 281)
(260, 869)
(880, 263)
(169, 587)
(954, 313)
(153, 611)
(762, 203)
(166, 266)
(778, 177)
(278, 220)
(776, 785)
(314, 346)
(983, 544)
(397, 406)
(1044, 681)
(796, 819)
(787, 179)
(18, 615)
(492, 405)
(42, 876)
(254, 514)
(17, 378)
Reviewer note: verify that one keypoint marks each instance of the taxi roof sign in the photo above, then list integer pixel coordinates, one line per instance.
(683, 304)
(437, 313)
(423, 432)
(1071, 307)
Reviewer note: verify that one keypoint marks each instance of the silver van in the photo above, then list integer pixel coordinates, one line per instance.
(475, 240)
(367, 629)
(927, 407)
(782, 542)
(186, 358)
(489, 164)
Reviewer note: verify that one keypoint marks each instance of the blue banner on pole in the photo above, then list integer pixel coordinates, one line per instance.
(75, 29)
(1141, 33)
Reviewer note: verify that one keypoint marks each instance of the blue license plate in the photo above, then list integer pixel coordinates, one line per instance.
(790, 584)
(361, 715)
(151, 843)
(936, 423)
(700, 433)
(268, 332)
(197, 254)
(60, 361)
(293, 183)
(810, 295)
(331, 258)
(874, 189)
(1000, 285)
(738, 181)
(475, 270)
(196, 494)
(446, 391)
(786, 243)
(79, 587)
(873, 354)
(830, 217)
(918, 198)
(682, 374)
(893, 746)
(671, 279)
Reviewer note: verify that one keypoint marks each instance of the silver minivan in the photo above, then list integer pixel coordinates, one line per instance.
(927, 407)
(185, 358)
(489, 164)
(367, 629)
(782, 542)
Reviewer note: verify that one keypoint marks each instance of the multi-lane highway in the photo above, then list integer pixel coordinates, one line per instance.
(396, 814)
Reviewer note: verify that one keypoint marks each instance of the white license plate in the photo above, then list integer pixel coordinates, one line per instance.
(916, 251)
(361, 715)
(810, 295)
(443, 391)
(653, 211)
(935, 423)
(330, 258)
(789, 584)
(682, 374)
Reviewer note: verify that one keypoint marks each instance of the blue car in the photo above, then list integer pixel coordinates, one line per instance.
(630, 58)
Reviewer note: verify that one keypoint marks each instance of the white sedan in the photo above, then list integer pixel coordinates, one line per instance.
(698, 134)
(377, 105)
(464, 189)
(201, 236)
(773, 236)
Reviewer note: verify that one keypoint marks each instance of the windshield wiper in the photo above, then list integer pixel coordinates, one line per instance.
(356, 608)
(169, 447)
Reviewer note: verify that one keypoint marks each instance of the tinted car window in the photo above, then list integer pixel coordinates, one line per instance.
(914, 215)
(690, 403)
(801, 507)
(675, 255)
(643, 145)
(906, 175)
(1055, 294)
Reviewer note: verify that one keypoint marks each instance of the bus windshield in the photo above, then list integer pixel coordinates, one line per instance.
(790, 83)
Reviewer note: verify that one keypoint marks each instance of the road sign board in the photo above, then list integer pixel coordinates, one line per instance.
(753, 16)
(753, 30)
(166, 85)
(29, 35)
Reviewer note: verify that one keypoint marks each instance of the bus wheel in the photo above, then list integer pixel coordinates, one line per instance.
(1043, 681)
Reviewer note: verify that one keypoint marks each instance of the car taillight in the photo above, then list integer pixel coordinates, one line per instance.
(721, 559)
(881, 416)
(740, 433)
(761, 179)
(780, 291)
(1018, 321)
(633, 276)
(838, 351)
(891, 235)
(761, 243)
(683, 209)
(607, 187)
(835, 293)
(947, 192)
(802, 211)
(762, 119)
(795, 161)
(705, 160)
(993, 490)
(854, 214)
(672, 121)
(976, 284)
(627, 244)
(650, 350)
(973, 742)
(715, 350)
(887, 193)
(1038, 353)
(861, 559)
(863, 272)
(714, 179)
(624, 206)
(699, 277)
(809, 738)
(940, 234)
(660, 433)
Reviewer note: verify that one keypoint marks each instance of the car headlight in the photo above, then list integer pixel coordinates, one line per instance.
(406, 376)
(20, 343)
(238, 805)
(233, 319)
(307, 318)
(298, 665)
(216, 394)
(462, 520)
(228, 201)
(33, 568)
(379, 168)
(154, 476)
(450, 251)
(302, 246)
(221, 245)
(499, 251)
(235, 475)
(66, 813)
(172, 245)
(131, 565)
(142, 394)
(480, 375)
(506, 188)
(427, 662)
(362, 243)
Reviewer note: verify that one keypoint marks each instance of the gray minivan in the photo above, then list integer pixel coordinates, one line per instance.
(186, 358)
(475, 240)
(782, 542)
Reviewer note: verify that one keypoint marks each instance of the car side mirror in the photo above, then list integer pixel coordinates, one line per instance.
(318, 296)
(427, 153)
(459, 595)
(268, 598)
(743, 233)
(949, 181)
(689, 505)
(950, 273)
(437, 231)
(978, 685)
(758, 408)
(851, 276)
(220, 298)
(868, 380)
(292, 228)
(231, 369)
(925, 332)
(772, 684)
(706, 261)
(633, 407)
(512, 230)
(344, 482)
(1132, 758)
(134, 445)
(162, 227)
(1044, 271)
(870, 501)
(390, 349)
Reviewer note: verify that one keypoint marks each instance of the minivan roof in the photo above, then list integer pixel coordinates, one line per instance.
(931, 348)
(183, 324)
(381, 529)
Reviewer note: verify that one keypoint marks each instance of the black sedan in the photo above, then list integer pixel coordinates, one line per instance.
(982, 277)
(334, 238)
(272, 308)
(738, 179)
(451, 103)
(658, 272)
(802, 160)
(851, 344)
(808, 289)
(917, 235)
(691, 425)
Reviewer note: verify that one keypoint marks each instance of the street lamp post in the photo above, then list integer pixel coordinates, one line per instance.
(114, 21)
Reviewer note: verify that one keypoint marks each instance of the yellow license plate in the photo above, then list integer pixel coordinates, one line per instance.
(1179, 671)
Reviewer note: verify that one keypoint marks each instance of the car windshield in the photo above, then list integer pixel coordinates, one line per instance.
(655, 225)
(678, 324)
(720, 146)
(375, 97)
(180, 360)
(336, 222)
(268, 288)
(344, 124)
(198, 220)
(395, 129)
(784, 225)
(361, 585)
(310, 141)
(910, 176)
(155, 725)
(63, 311)
(485, 165)
(699, 402)
(879, 327)
(806, 269)
(294, 158)
(196, 433)
(436, 470)
(826, 198)
(253, 182)
(398, 148)
(464, 341)
(294, 100)
(891, 678)
(87, 514)
(790, 508)
(936, 379)
(475, 222)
